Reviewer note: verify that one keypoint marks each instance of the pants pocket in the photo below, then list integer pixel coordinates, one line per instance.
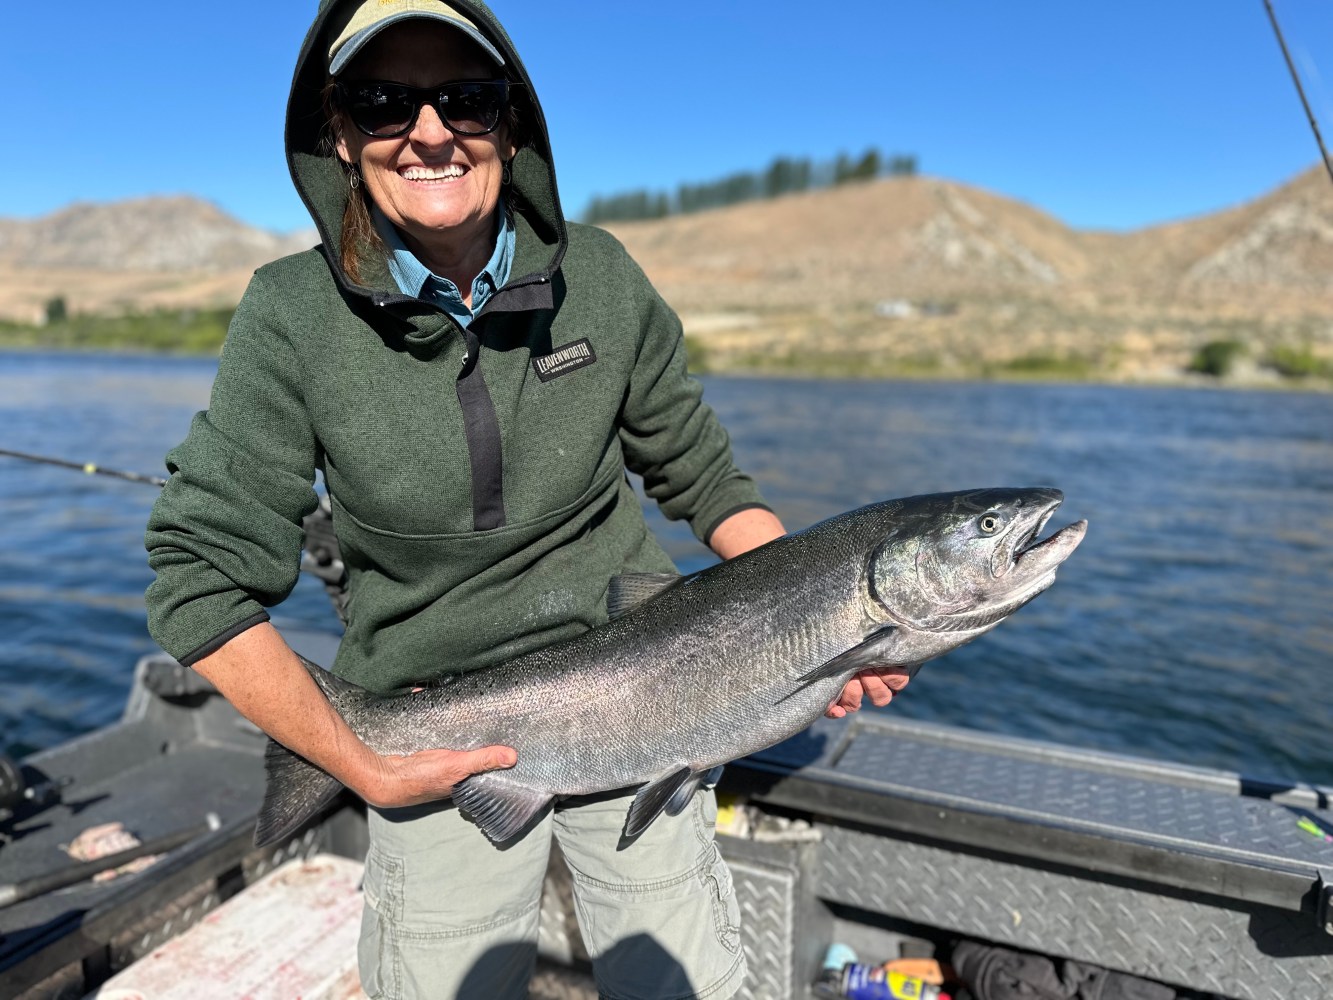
(370, 955)
(376, 954)
(663, 939)
(716, 877)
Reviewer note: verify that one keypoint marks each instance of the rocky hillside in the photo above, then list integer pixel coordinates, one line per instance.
(925, 276)
(918, 237)
(1279, 247)
(146, 234)
(898, 276)
(139, 254)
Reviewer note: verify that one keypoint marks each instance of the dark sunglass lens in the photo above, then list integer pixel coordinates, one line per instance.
(380, 109)
(473, 108)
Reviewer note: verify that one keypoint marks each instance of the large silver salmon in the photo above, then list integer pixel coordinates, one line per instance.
(695, 671)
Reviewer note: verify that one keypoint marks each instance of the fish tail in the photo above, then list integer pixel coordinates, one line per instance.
(295, 792)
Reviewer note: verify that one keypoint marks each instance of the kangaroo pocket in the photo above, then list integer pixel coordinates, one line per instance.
(425, 605)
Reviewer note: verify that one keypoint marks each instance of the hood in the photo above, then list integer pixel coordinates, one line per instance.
(322, 184)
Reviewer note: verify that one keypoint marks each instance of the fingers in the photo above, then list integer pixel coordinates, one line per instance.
(850, 698)
(432, 774)
(876, 689)
(877, 685)
(487, 759)
(895, 680)
(437, 771)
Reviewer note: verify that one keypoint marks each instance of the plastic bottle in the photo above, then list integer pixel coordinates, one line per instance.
(838, 956)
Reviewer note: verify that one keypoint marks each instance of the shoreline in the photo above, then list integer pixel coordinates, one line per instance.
(815, 372)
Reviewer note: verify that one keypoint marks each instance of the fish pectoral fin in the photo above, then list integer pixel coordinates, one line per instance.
(872, 652)
(657, 796)
(503, 809)
(631, 589)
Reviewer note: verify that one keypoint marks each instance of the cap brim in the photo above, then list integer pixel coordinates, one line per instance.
(357, 42)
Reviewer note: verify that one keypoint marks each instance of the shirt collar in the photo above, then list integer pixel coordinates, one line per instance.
(414, 278)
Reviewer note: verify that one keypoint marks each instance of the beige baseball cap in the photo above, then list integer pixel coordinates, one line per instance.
(370, 17)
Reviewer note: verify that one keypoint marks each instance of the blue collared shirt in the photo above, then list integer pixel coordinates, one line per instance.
(416, 279)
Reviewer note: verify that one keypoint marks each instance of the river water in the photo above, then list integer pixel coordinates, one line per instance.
(1194, 624)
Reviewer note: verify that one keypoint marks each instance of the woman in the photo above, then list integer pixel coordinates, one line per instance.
(472, 375)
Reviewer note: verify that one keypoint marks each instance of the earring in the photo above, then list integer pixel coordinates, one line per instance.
(506, 174)
(353, 178)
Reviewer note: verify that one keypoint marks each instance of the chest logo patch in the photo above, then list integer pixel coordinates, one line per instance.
(564, 360)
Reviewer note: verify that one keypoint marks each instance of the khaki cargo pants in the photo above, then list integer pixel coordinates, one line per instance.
(448, 915)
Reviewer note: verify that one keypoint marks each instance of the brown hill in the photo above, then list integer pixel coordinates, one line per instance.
(145, 234)
(139, 254)
(898, 275)
(901, 237)
(923, 237)
(1279, 247)
(918, 275)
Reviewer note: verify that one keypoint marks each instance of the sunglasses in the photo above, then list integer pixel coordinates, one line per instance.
(384, 110)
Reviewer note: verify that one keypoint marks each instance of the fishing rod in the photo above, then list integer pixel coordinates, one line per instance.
(321, 558)
(88, 468)
(1296, 79)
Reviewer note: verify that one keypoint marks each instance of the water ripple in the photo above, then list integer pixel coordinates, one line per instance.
(1194, 623)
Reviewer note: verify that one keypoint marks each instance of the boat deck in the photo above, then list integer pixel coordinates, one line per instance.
(875, 826)
(1196, 878)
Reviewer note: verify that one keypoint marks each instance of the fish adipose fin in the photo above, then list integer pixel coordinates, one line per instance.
(295, 792)
(632, 589)
(669, 794)
(873, 652)
(503, 809)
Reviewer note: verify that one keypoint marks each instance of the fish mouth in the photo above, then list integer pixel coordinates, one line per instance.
(1032, 557)
(1026, 565)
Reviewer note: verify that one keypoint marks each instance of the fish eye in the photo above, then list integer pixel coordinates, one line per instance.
(989, 523)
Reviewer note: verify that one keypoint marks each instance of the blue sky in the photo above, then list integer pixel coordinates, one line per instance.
(1107, 115)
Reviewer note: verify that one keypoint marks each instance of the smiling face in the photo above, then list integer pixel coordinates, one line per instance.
(439, 189)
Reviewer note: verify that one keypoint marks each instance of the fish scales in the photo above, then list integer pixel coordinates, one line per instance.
(719, 664)
(702, 640)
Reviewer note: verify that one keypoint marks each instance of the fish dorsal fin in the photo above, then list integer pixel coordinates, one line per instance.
(655, 796)
(502, 808)
(873, 651)
(631, 589)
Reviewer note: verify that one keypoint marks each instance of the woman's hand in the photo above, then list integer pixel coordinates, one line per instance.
(269, 685)
(411, 779)
(877, 685)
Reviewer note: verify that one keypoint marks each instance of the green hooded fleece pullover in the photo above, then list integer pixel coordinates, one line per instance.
(477, 477)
